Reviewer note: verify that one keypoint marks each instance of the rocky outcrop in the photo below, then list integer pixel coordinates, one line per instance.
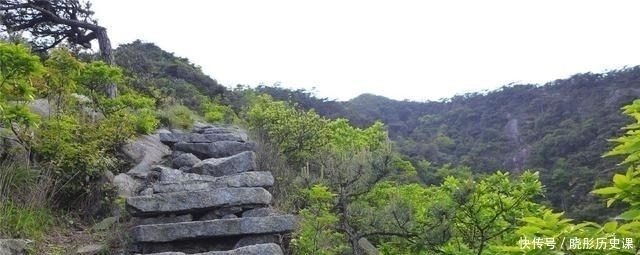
(212, 199)
(14, 246)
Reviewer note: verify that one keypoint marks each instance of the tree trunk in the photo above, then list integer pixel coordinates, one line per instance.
(106, 52)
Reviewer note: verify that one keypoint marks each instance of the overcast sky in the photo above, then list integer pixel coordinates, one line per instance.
(417, 50)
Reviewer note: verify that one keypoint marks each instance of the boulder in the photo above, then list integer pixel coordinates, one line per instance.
(126, 185)
(195, 201)
(259, 212)
(246, 179)
(172, 175)
(367, 247)
(216, 149)
(92, 249)
(258, 249)
(163, 219)
(145, 151)
(241, 162)
(213, 228)
(172, 138)
(185, 160)
(14, 246)
(256, 239)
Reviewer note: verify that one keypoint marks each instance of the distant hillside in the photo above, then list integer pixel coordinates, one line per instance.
(560, 128)
(166, 77)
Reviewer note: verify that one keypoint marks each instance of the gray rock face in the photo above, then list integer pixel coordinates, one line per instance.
(194, 201)
(215, 150)
(171, 138)
(172, 175)
(186, 159)
(256, 239)
(145, 151)
(126, 185)
(247, 179)
(213, 228)
(259, 212)
(258, 249)
(367, 247)
(241, 162)
(91, 249)
(13, 246)
(163, 219)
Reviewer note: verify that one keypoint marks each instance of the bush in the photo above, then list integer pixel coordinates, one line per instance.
(146, 121)
(177, 116)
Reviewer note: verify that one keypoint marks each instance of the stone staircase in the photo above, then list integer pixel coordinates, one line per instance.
(211, 200)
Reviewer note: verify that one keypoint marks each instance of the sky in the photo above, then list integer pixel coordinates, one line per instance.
(416, 50)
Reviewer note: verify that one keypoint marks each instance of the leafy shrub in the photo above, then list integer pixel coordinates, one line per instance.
(177, 116)
(146, 121)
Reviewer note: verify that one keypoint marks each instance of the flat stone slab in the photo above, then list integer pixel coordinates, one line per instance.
(216, 149)
(195, 201)
(258, 249)
(213, 228)
(171, 138)
(241, 162)
(246, 179)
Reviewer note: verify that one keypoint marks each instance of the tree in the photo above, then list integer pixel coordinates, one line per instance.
(51, 22)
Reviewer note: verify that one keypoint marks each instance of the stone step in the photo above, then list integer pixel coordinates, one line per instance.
(257, 249)
(216, 149)
(172, 138)
(196, 201)
(213, 228)
(246, 179)
(241, 162)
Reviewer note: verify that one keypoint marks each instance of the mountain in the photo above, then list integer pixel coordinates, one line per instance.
(560, 128)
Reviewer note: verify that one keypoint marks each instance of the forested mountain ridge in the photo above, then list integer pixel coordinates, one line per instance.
(560, 128)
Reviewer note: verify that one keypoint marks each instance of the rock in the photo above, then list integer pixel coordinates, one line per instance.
(172, 138)
(194, 201)
(145, 151)
(126, 185)
(41, 107)
(213, 228)
(367, 247)
(185, 160)
(258, 249)
(105, 224)
(220, 213)
(216, 149)
(256, 239)
(241, 162)
(146, 192)
(163, 219)
(246, 179)
(173, 175)
(258, 212)
(14, 246)
(161, 131)
(91, 249)
(229, 216)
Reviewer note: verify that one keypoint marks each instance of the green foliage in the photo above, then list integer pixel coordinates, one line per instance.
(165, 77)
(317, 234)
(459, 216)
(300, 135)
(177, 116)
(18, 221)
(17, 69)
(217, 113)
